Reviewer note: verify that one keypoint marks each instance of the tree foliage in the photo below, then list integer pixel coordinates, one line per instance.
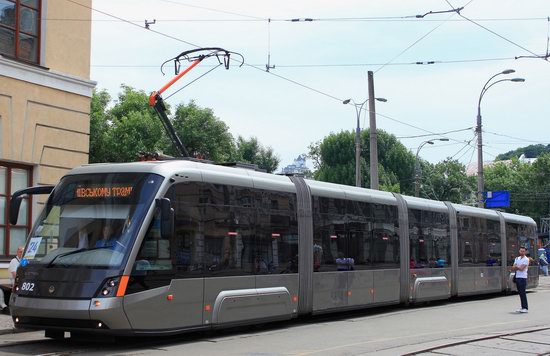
(203, 134)
(130, 126)
(334, 161)
(527, 182)
(251, 151)
(447, 181)
(118, 133)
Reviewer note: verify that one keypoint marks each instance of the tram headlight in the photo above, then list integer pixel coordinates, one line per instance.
(109, 288)
(113, 287)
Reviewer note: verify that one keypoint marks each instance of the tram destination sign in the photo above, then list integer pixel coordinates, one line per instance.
(103, 191)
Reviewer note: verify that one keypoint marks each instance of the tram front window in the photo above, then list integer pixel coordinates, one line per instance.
(91, 220)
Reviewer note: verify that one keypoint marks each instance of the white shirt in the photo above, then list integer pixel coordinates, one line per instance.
(14, 263)
(521, 261)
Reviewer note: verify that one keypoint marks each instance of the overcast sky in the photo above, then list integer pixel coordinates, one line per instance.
(331, 56)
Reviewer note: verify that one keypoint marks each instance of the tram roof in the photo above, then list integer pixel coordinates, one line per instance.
(249, 178)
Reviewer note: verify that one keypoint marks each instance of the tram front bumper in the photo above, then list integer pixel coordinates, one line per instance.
(98, 314)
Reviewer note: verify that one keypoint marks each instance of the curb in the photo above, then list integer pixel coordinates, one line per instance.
(13, 331)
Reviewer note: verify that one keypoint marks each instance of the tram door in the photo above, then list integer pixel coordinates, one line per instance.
(166, 285)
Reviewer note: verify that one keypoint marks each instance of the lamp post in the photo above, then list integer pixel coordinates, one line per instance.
(417, 169)
(358, 110)
(480, 183)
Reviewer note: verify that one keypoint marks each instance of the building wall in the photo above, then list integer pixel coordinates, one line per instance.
(67, 43)
(44, 109)
(43, 127)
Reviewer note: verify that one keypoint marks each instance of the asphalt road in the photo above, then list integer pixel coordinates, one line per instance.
(383, 331)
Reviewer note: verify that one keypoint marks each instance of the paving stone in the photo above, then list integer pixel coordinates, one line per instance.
(471, 349)
(514, 346)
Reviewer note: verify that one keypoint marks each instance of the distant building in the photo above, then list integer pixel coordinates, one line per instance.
(471, 169)
(299, 166)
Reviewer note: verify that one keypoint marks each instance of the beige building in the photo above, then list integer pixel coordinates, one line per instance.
(45, 93)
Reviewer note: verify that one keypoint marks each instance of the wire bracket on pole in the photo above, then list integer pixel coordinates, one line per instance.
(268, 66)
(195, 57)
(148, 23)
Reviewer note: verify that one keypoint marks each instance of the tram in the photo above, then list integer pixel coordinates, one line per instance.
(164, 247)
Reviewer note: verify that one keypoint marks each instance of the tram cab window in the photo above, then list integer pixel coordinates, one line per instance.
(154, 254)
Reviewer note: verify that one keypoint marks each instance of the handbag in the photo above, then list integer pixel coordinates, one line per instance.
(514, 278)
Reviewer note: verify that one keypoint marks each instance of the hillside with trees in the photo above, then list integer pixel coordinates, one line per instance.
(531, 151)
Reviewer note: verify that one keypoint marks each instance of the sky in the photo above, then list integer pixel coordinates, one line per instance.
(320, 63)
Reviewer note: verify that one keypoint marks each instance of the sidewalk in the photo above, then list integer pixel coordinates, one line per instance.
(6, 323)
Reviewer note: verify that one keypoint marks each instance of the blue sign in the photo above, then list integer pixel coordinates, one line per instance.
(497, 199)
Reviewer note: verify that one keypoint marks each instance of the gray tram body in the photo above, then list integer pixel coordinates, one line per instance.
(204, 302)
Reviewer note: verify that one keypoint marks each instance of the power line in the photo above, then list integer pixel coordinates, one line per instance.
(498, 35)
(255, 67)
(515, 138)
(332, 65)
(420, 39)
(213, 10)
(438, 134)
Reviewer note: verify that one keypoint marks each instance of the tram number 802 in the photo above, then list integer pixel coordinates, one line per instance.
(27, 286)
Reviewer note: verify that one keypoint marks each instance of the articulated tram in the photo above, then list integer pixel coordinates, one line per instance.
(171, 246)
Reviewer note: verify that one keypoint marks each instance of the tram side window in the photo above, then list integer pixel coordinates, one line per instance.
(276, 249)
(333, 246)
(512, 246)
(360, 244)
(430, 244)
(228, 240)
(330, 240)
(385, 237)
(478, 241)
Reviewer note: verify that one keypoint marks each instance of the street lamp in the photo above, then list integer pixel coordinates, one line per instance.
(480, 184)
(417, 169)
(358, 110)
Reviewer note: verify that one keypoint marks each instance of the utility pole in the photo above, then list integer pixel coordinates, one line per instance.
(373, 137)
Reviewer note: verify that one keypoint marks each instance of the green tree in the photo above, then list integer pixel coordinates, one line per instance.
(203, 134)
(133, 127)
(130, 126)
(334, 161)
(99, 126)
(251, 151)
(528, 185)
(447, 181)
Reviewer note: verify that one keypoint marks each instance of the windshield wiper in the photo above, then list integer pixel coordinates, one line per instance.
(74, 252)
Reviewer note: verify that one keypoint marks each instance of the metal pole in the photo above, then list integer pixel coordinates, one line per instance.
(373, 138)
(480, 183)
(358, 148)
(416, 174)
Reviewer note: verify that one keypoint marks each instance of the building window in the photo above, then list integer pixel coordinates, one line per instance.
(20, 30)
(12, 178)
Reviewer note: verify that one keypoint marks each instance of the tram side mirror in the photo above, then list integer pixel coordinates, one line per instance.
(17, 198)
(166, 218)
(15, 205)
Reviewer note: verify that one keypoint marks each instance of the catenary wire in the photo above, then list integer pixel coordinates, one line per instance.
(255, 67)
(438, 133)
(332, 65)
(420, 39)
(213, 10)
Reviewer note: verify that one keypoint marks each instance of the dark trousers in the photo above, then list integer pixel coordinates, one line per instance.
(521, 284)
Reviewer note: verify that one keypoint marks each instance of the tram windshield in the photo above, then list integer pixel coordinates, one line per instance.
(91, 220)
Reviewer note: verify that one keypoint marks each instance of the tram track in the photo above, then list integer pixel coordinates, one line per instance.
(474, 340)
